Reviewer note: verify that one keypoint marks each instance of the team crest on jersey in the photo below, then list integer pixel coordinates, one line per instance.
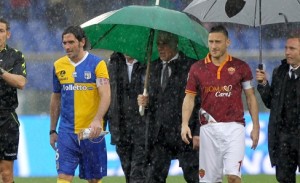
(87, 75)
(62, 73)
(201, 173)
(231, 70)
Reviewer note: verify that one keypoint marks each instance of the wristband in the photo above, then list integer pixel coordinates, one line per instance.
(52, 131)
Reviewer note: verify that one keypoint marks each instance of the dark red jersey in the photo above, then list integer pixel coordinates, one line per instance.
(220, 87)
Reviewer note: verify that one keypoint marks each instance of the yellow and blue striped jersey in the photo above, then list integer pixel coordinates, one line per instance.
(79, 94)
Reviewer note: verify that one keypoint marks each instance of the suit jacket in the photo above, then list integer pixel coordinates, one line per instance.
(165, 106)
(273, 97)
(124, 119)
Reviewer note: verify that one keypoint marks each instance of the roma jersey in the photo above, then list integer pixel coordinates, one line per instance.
(79, 94)
(220, 87)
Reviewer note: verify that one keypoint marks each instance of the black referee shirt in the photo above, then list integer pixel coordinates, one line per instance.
(13, 62)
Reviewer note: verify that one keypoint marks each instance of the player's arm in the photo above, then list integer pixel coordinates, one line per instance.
(54, 115)
(105, 97)
(253, 110)
(187, 109)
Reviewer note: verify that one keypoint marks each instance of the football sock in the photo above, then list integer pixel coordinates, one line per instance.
(62, 181)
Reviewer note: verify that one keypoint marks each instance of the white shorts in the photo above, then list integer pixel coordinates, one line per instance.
(222, 148)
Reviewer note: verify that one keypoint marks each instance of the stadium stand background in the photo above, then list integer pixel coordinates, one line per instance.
(36, 27)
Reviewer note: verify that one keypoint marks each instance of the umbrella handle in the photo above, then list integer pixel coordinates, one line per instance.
(260, 67)
(142, 108)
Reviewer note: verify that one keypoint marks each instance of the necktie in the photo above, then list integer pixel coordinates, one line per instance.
(293, 74)
(165, 76)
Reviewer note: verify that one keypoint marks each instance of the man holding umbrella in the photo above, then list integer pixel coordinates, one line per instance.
(282, 97)
(166, 92)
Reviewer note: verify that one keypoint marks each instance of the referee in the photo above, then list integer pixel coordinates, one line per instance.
(12, 77)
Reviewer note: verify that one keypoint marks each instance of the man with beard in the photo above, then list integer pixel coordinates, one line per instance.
(220, 79)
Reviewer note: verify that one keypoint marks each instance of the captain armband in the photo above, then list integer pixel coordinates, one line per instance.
(247, 85)
(102, 81)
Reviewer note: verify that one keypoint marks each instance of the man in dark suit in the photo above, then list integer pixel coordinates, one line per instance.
(282, 97)
(168, 76)
(125, 123)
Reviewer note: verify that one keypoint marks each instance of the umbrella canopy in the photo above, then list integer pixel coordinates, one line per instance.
(131, 29)
(247, 12)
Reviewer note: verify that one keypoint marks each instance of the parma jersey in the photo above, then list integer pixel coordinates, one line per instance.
(220, 87)
(79, 94)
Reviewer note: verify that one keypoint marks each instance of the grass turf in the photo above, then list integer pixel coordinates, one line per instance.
(171, 179)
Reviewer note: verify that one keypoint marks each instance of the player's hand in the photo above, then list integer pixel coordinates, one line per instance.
(96, 128)
(186, 134)
(53, 140)
(196, 142)
(255, 137)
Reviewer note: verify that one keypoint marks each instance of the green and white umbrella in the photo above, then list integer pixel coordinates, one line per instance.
(133, 29)
(130, 30)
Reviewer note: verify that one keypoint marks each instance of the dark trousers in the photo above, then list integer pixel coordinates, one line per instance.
(133, 161)
(288, 158)
(160, 160)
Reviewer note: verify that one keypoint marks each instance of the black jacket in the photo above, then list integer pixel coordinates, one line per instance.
(123, 115)
(273, 97)
(165, 107)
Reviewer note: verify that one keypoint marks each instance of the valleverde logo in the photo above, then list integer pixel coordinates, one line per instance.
(76, 87)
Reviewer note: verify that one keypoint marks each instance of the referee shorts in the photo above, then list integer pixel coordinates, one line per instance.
(9, 135)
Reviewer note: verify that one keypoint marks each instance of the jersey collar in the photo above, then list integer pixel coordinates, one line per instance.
(208, 60)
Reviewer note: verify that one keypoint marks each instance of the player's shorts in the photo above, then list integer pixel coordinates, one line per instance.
(222, 149)
(9, 135)
(91, 156)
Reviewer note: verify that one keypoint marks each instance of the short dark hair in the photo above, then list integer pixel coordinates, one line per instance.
(2, 20)
(294, 35)
(78, 32)
(220, 29)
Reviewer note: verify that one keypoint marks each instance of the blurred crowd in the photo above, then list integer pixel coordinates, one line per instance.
(36, 27)
(45, 19)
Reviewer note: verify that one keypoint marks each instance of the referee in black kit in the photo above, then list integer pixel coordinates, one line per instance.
(12, 77)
